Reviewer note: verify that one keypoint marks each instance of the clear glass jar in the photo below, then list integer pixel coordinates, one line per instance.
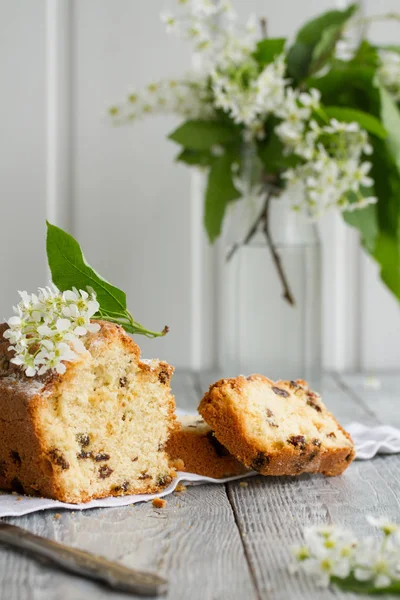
(260, 331)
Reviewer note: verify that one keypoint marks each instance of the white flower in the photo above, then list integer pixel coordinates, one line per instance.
(204, 8)
(358, 174)
(311, 99)
(384, 524)
(374, 563)
(336, 126)
(171, 24)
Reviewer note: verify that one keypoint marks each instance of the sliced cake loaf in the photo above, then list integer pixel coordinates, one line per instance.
(98, 430)
(195, 444)
(276, 428)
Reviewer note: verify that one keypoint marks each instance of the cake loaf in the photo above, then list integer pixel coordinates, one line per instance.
(276, 428)
(98, 430)
(195, 444)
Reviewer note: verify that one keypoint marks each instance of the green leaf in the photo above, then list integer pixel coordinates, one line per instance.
(391, 119)
(271, 154)
(390, 48)
(317, 36)
(220, 192)
(268, 49)
(349, 85)
(351, 584)
(199, 158)
(365, 220)
(324, 49)
(366, 54)
(387, 253)
(365, 120)
(311, 32)
(298, 61)
(198, 134)
(69, 269)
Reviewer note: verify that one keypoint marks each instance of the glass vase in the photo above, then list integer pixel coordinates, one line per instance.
(270, 297)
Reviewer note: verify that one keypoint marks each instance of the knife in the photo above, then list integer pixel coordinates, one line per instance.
(83, 563)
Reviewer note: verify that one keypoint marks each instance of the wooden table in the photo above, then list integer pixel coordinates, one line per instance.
(217, 542)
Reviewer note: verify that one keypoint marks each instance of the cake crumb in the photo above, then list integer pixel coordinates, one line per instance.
(178, 464)
(19, 499)
(180, 488)
(159, 503)
(57, 516)
(244, 484)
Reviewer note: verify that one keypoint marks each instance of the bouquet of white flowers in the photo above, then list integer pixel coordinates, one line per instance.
(320, 113)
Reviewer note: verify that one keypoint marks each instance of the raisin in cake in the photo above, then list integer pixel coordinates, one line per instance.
(276, 428)
(98, 430)
(195, 444)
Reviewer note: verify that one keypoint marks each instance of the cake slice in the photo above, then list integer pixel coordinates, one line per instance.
(195, 444)
(98, 430)
(276, 428)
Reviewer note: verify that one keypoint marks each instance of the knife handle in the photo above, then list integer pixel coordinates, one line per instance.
(83, 563)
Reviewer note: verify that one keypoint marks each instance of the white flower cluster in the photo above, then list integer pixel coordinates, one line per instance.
(247, 97)
(212, 26)
(389, 72)
(332, 172)
(333, 552)
(45, 330)
(188, 98)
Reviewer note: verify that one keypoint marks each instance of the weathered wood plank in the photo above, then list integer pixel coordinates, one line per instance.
(194, 542)
(272, 512)
(384, 402)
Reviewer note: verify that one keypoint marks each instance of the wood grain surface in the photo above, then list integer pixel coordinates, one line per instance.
(216, 542)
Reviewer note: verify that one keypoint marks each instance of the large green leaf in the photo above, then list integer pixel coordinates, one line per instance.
(391, 119)
(311, 32)
(325, 48)
(387, 253)
(315, 42)
(220, 192)
(365, 120)
(69, 269)
(380, 225)
(349, 85)
(366, 55)
(365, 220)
(268, 49)
(199, 158)
(198, 134)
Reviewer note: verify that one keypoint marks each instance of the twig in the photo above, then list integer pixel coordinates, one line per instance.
(264, 27)
(287, 294)
(263, 219)
(251, 233)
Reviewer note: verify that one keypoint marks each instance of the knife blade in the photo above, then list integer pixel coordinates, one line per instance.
(84, 563)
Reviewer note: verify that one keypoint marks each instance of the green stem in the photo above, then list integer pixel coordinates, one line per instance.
(127, 321)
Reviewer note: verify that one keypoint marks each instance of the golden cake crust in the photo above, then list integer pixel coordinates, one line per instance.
(27, 463)
(194, 443)
(226, 409)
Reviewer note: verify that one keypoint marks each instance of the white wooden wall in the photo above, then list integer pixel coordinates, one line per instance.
(136, 213)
